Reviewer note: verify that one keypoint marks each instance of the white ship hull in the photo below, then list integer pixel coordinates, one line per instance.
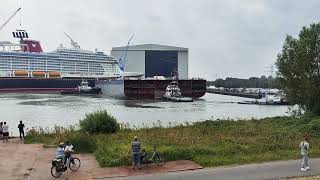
(111, 88)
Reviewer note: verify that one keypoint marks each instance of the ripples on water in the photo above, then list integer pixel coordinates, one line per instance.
(47, 110)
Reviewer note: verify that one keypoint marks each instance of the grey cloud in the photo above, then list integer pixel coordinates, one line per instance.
(224, 37)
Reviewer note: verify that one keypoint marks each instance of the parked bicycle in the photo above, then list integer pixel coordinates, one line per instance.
(155, 158)
(58, 166)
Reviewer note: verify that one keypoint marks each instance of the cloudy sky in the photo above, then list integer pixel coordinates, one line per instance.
(226, 38)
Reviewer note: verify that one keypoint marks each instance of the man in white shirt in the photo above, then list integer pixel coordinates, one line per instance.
(68, 150)
(5, 130)
(304, 146)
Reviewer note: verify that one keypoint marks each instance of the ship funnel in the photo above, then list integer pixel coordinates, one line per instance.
(28, 45)
(32, 46)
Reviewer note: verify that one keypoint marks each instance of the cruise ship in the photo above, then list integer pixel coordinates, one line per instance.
(25, 67)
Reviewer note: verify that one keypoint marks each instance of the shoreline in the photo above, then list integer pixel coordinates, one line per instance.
(208, 143)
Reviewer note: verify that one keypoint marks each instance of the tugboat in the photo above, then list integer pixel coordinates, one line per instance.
(173, 93)
(83, 88)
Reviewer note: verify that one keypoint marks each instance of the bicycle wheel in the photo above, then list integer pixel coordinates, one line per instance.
(74, 164)
(55, 173)
(158, 160)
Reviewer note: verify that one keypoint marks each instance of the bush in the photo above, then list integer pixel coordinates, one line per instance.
(99, 122)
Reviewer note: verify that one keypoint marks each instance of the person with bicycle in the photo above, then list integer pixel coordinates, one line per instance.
(68, 150)
(60, 152)
(64, 160)
(135, 148)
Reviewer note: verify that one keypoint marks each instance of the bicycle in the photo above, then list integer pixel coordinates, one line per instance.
(58, 167)
(155, 158)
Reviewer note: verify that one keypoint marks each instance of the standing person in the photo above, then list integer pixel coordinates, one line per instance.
(135, 148)
(304, 145)
(21, 129)
(5, 130)
(1, 132)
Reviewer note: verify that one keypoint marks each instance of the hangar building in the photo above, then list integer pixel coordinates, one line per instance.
(154, 60)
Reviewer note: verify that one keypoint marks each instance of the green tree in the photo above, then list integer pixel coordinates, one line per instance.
(299, 68)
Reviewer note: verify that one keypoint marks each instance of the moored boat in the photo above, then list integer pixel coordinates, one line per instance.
(269, 97)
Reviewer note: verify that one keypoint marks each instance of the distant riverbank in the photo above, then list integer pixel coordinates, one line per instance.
(208, 143)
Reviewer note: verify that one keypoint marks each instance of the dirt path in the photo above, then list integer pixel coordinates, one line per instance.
(20, 161)
(16, 161)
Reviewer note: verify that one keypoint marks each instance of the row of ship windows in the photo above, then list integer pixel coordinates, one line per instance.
(63, 70)
(54, 67)
(54, 64)
(63, 65)
(26, 67)
(43, 67)
(51, 62)
(81, 54)
(58, 67)
(84, 57)
(71, 60)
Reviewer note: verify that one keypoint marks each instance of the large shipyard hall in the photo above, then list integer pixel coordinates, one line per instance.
(154, 60)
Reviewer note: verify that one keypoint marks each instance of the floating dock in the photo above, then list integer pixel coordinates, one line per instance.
(232, 93)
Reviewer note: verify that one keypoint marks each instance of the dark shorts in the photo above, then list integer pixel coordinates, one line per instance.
(136, 158)
(1, 132)
(5, 134)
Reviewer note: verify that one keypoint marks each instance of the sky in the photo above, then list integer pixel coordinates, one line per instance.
(226, 38)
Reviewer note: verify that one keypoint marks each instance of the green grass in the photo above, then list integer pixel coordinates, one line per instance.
(208, 143)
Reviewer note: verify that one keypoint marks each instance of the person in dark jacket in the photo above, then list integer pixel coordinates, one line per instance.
(21, 129)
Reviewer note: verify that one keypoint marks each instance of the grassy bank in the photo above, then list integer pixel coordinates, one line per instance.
(209, 143)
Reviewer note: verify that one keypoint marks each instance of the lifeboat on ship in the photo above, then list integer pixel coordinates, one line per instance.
(38, 74)
(21, 73)
(54, 74)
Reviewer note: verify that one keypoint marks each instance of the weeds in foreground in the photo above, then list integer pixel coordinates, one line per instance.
(209, 143)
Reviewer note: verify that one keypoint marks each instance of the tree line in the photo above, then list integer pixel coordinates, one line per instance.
(252, 82)
(298, 65)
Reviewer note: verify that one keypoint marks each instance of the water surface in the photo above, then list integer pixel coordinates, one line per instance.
(48, 110)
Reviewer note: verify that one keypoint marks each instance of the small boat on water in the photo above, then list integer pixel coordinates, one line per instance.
(83, 88)
(173, 93)
(269, 97)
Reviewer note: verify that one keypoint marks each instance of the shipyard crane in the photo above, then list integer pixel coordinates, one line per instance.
(8, 20)
(122, 61)
(73, 43)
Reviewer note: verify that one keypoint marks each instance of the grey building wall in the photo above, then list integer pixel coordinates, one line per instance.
(183, 64)
(135, 61)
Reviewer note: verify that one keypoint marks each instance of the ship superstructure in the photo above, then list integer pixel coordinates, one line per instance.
(69, 62)
(24, 67)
